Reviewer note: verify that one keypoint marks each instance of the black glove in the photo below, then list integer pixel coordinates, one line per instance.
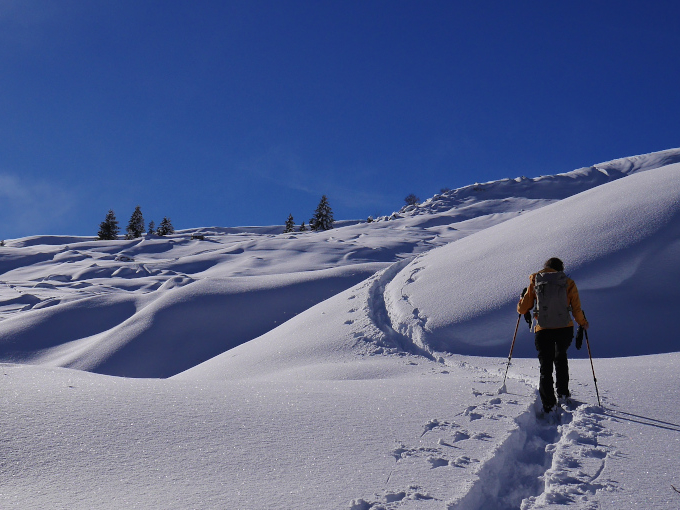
(527, 317)
(579, 337)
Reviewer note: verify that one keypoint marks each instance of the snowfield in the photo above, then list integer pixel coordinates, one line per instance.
(357, 368)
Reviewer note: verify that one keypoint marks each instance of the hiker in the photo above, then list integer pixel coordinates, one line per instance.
(555, 296)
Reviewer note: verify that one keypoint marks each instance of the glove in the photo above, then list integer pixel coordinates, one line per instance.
(579, 337)
(527, 317)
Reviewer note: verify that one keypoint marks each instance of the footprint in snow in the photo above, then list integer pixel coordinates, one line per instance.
(460, 435)
(401, 452)
(436, 424)
(463, 461)
(469, 412)
(412, 493)
(438, 462)
(482, 436)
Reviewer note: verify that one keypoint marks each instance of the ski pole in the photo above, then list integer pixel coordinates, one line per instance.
(593, 369)
(514, 337)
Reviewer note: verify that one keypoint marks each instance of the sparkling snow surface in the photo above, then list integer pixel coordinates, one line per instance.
(254, 369)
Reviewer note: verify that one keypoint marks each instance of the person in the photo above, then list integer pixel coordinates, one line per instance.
(553, 336)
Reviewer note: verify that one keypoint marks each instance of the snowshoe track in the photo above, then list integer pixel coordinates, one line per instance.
(545, 462)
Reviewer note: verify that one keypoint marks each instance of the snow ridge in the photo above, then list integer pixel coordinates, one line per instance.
(549, 187)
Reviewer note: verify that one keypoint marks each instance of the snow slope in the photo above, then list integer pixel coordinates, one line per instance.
(620, 242)
(333, 370)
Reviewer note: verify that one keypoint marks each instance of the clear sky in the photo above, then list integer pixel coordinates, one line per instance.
(234, 113)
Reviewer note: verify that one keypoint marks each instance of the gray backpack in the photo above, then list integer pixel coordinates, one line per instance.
(552, 305)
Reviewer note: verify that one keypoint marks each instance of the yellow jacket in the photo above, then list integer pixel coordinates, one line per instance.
(527, 302)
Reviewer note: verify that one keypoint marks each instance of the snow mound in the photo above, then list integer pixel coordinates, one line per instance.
(620, 242)
(546, 187)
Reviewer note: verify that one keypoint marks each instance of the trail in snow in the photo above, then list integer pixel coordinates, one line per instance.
(343, 400)
(543, 463)
(379, 314)
(443, 450)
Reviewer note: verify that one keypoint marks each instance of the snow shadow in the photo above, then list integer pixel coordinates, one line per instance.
(642, 420)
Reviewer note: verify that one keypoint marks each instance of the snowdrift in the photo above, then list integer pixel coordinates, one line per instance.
(188, 323)
(347, 398)
(620, 242)
(154, 307)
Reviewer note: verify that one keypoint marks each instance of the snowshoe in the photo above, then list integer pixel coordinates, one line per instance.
(565, 402)
(549, 415)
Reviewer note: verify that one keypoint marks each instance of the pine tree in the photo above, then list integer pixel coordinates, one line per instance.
(302, 227)
(323, 216)
(152, 228)
(135, 226)
(108, 229)
(290, 225)
(165, 228)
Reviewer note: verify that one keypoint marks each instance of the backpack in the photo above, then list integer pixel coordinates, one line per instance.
(552, 305)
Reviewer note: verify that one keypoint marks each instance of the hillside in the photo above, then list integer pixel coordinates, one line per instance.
(357, 368)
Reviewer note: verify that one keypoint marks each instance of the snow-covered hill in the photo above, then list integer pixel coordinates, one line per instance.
(333, 369)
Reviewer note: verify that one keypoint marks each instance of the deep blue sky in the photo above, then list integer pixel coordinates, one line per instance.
(238, 113)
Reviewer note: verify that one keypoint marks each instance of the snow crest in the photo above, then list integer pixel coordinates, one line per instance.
(614, 240)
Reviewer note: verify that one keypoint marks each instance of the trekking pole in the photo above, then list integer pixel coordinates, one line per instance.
(514, 337)
(593, 369)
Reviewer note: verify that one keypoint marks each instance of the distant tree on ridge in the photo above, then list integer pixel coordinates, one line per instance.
(290, 225)
(152, 228)
(323, 216)
(165, 228)
(412, 199)
(108, 229)
(135, 226)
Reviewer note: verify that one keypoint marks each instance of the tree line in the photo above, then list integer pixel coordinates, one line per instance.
(323, 215)
(109, 230)
(322, 219)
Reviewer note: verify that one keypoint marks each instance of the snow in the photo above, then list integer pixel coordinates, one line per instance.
(355, 368)
(615, 240)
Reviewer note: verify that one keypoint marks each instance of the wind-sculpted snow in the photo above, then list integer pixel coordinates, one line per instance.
(546, 187)
(186, 325)
(74, 301)
(154, 307)
(321, 390)
(620, 242)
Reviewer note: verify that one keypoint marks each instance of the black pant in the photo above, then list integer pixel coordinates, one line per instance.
(552, 345)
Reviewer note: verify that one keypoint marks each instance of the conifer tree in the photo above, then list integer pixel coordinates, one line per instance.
(108, 229)
(302, 228)
(152, 228)
(135, 226)
(290, 225)
(323, 216)
(165, 228)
